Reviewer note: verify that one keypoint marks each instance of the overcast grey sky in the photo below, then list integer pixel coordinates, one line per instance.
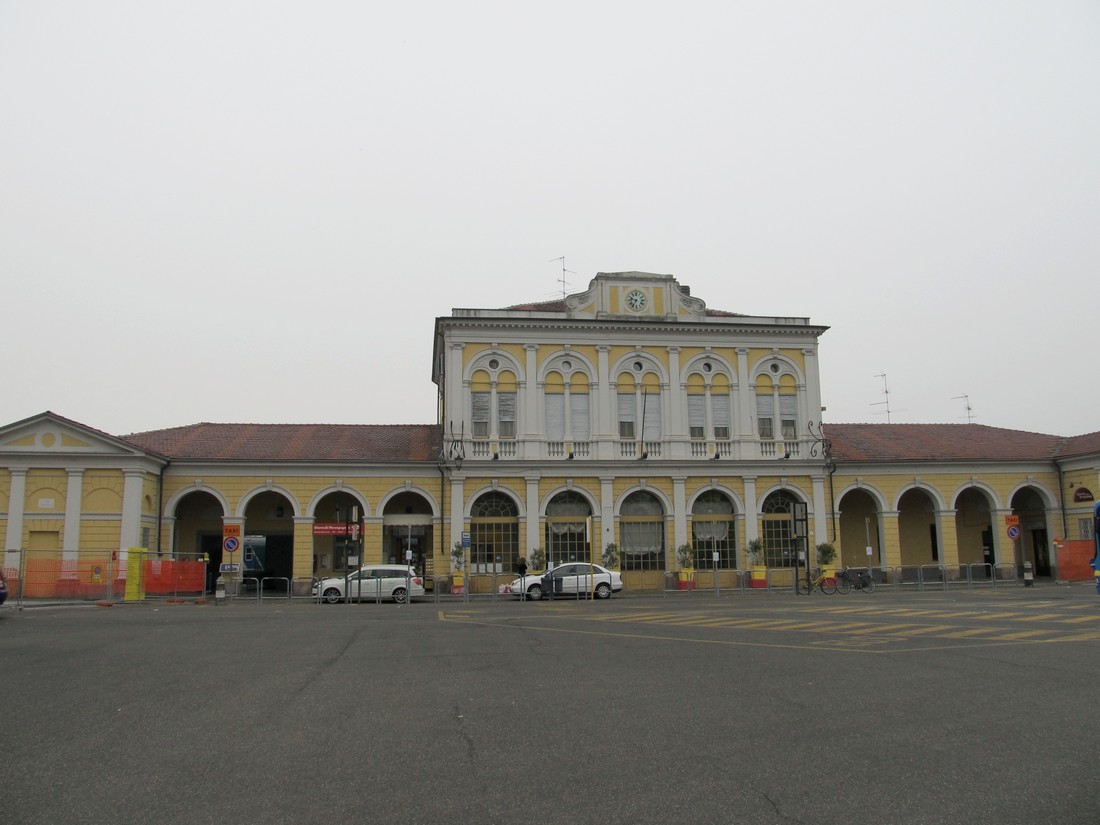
(253, 211)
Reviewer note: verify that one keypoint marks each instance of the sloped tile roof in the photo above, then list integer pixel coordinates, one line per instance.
(295, 442)
(938, 442)
(1080, 445)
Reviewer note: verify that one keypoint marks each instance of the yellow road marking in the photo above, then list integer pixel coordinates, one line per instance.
(1024, 634)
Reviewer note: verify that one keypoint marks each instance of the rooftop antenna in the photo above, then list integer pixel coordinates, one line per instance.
(966, 399)
(886, 392)
(564, 283)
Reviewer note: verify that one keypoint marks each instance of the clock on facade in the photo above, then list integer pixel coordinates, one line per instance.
(635, 299)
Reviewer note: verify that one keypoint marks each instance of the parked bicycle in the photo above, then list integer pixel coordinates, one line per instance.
(825, 583)
(847, 578)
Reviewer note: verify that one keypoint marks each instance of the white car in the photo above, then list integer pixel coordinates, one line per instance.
(372, 583)
(569, 580)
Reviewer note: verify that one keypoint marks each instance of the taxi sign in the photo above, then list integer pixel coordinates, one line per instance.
(1012, 521)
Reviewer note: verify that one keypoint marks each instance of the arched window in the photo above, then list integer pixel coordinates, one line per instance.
(712, 399)
(765, 408)
(566, 407)
(494, 534)
(714, 530)
(639, 410)
(566, 539)
(788, 408)
(697, 407)
(481, 394)
(780, 544)
(642, 530)
(493, 406)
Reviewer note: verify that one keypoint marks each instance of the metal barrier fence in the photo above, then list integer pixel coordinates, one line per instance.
(46, 576)
(712, 581)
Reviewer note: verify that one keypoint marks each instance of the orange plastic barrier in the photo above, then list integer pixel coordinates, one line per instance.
(1075, 560)
(91, 579)
(163, 578)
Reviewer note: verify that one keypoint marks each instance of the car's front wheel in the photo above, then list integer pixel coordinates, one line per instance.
(332, 595)
(400, 595)
(603, 590)
(534, 592)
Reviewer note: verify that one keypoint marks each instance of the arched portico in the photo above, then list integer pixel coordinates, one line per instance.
(978, 543)
(861, 513)
(1032, 507)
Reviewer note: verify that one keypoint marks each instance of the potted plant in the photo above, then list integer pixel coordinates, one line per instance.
(610, 556)
(754, 554)
(458, 568)
(685, 559)
(826, 555)
(537, 557)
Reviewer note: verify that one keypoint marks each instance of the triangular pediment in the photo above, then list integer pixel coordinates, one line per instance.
(52, 434)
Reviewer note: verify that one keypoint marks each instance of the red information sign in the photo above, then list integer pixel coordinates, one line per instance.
(335, 528)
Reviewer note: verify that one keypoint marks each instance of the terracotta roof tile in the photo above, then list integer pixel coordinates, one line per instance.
(295, 442)
(1080, 445)
(938, 442)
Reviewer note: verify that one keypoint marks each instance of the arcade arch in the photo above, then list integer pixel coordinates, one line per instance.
(408, 527)
(974, 526)
(494, 533)
(714, 530)
(1034, 543)
(566, 534)
(860, 520)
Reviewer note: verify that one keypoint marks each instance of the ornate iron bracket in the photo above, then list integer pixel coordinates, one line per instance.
(821, 446)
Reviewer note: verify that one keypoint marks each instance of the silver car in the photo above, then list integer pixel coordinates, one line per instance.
(572, 579)
(373, 582)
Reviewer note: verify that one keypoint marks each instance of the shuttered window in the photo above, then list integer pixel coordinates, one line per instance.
(579, 421)
(480, 414)
(788, 415)
(555, 416)
(626, 415)
(506, 412)
(764, 407)
(697, 416)
(720, 415)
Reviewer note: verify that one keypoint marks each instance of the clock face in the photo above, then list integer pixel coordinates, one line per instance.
(635, 299)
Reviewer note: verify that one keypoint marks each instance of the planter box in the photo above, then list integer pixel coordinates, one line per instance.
(685, 584)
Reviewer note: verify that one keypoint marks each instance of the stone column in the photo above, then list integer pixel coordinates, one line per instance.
(947, 536)
(889, 554)
(607, 433)
(17, 500)
(679, 511)
(821, 515)
(532, 506)
(607, 512)
(74, 497)
(303, 552)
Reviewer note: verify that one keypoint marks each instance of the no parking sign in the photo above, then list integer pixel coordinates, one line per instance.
(231, 537)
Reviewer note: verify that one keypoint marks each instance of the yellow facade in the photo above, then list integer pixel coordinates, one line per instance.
(593, 403)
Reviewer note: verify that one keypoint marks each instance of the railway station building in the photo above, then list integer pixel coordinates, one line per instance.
(629, 416)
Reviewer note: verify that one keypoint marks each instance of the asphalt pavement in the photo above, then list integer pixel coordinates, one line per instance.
(958, 707)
